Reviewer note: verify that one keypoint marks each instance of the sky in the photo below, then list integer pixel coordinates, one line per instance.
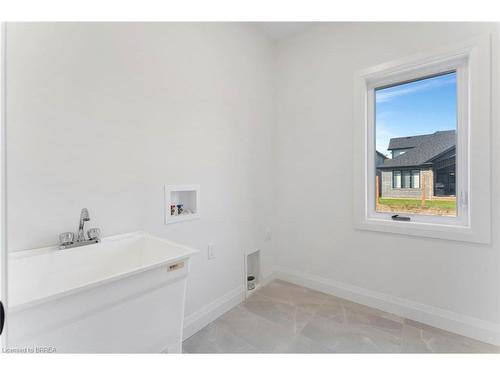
(415, 108)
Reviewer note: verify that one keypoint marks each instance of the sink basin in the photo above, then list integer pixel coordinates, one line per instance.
(125, 294)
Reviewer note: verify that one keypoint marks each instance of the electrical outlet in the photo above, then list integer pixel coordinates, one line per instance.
(211, 251)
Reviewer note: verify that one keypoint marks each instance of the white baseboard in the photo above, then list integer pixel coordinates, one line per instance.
(450, 321)
(206, 315)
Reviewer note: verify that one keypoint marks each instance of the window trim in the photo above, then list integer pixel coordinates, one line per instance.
(471, 59)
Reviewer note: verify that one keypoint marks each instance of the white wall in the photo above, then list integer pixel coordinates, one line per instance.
(103, 115)
(313, 227)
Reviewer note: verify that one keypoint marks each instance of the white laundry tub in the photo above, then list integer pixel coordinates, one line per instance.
(125, 294)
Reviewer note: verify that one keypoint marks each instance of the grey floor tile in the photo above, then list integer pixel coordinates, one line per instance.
(215, 339)
(286, 318)
(290, 316)
(281, 291)
(360, 311)
(302, 344)
(418, 338)
(346, 338)
(360, 317)
(266, 336)
(333, 309)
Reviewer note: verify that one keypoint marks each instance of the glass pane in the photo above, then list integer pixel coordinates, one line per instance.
(415, 133)
(396, 179)
(406, 179)
(415, 179)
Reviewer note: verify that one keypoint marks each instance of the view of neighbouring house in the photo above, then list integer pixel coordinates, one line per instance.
(429, 156)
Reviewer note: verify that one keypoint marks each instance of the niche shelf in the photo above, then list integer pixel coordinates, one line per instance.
(253, 268)
(186, 202)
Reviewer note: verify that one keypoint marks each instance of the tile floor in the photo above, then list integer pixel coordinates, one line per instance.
(287, 318)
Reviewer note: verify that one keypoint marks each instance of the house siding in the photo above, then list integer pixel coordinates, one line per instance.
(389, 192)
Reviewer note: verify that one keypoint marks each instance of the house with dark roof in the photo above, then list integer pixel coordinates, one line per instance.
(428, 159)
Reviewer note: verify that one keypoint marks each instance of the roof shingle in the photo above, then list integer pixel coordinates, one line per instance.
(425, 148)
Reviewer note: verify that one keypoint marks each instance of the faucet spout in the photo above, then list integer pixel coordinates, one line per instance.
(84, 216)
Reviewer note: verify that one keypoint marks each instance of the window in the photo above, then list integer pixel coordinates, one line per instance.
(416, 122)
(409, 179)
(406, 180)
(396, 179)
(397, 153)
(427, 118)
(415, 179)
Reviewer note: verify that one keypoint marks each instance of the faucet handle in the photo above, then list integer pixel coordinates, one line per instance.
(94, 233)
(66, 238)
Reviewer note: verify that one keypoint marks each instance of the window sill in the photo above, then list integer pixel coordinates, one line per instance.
(421, 229)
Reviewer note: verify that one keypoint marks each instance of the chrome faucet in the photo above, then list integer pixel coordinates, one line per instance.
(67, 239)
(84, 216)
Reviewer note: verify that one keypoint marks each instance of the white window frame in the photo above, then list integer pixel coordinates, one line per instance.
(471, 60)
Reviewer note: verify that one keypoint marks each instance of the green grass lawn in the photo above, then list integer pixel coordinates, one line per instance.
(416, 203)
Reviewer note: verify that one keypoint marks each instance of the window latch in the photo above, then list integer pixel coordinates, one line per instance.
(400, 218)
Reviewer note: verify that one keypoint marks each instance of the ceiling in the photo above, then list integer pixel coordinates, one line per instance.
(280, 30)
